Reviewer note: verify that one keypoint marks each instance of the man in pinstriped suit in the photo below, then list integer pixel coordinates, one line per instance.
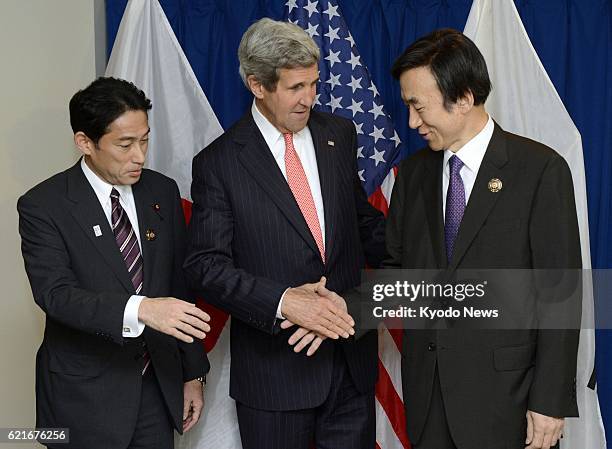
(277, 207)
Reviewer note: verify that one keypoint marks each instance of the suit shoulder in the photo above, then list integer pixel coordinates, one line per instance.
(50, 187)
(417, 160)
(223, 145)
(158, 182)
(157, 177)
(334, 120)
(531, 150)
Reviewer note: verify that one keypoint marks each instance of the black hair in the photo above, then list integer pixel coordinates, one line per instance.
(94, 108)
(455, 62)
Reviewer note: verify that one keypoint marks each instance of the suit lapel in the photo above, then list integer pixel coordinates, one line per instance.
(432, 195)
(88, 213)
(481, 200)
(327, 170)
(257, 159)
(149, 220)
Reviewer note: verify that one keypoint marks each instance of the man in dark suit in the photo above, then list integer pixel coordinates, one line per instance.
(479, 197)
(277, 206)
(121, 363)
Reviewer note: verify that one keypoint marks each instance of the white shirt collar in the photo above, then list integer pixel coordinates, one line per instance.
(472, 153)
(270, 133)
(268, 130)
(102, 188)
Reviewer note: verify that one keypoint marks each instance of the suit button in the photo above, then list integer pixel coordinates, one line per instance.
(431, 347)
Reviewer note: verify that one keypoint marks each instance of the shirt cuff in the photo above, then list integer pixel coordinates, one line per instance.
(132, 326)
(279, 314)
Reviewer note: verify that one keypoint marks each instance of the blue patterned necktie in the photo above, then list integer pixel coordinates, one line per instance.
(455, 205)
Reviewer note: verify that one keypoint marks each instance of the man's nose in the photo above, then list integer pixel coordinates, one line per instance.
(309, 97)
(139, 154)
(414, 119)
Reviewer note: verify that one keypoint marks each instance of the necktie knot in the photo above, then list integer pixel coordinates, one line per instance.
(288, 140)
(455, 164)
(114, 194)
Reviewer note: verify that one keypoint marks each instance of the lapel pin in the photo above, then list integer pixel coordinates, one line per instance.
(157, 209)
(495, 185)
(150, 235)
(331, 143)
(97, 230)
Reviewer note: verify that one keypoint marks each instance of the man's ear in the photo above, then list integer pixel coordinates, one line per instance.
(465, 103)
(84, 143)
(255, 86)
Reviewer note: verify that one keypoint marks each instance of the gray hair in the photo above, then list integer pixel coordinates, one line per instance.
(268, 46)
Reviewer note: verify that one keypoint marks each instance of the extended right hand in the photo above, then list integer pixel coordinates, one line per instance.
(308, 307)
(174, 317)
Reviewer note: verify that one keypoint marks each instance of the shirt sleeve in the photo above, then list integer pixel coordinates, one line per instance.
(132, 326)
(279, 314)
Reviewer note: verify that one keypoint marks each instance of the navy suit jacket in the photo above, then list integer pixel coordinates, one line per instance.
(88, 377)
(249, 242)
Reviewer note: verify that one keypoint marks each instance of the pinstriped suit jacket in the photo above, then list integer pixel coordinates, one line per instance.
(249, 242)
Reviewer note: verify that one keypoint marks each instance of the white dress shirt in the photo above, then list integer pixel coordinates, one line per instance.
(304, 147)
(132, 326)
(471, 154)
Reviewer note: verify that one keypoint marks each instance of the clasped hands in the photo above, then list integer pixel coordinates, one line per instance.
(319, 313)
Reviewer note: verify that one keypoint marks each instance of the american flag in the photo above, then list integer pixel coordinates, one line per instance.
(346, 89)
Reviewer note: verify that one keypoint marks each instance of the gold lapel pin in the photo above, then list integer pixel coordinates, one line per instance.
(495, 185)
(150, 235)
(331, 143)
(157, 209)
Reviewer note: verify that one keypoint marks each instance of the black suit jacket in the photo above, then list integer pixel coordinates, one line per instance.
(489, 378)
(249, 242)
(87, 375)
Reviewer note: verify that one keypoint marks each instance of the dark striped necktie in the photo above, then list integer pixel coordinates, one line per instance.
(126, 241)
(128, 245)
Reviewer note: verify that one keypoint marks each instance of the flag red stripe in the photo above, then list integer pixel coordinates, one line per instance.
(392, 404)
(396, 334)
(378, 200)
(386, 395)
(218, 318)
(186, 209)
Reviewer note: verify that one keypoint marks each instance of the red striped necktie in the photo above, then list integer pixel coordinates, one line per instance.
(298, 183)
